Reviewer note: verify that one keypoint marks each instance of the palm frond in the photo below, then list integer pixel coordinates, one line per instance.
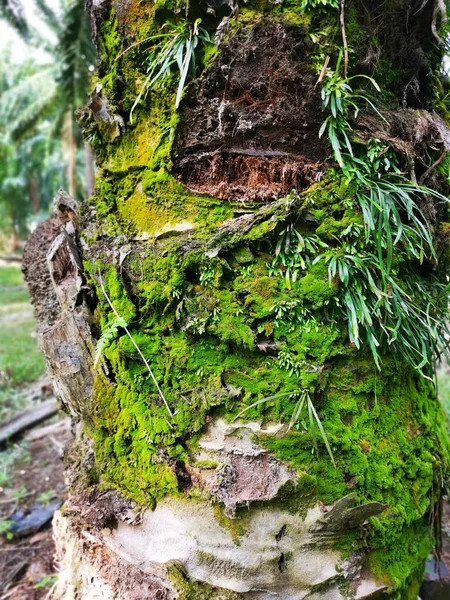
(27, 102)
(75, 53)
(12, 12)
(49, 16)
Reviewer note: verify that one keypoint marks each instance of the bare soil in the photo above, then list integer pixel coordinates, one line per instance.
(27, 563)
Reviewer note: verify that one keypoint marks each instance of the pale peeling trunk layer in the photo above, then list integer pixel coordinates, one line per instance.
(179, 240)
(285, 551)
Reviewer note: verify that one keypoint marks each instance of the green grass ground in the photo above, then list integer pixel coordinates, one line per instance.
(20, 360)
(444, 392)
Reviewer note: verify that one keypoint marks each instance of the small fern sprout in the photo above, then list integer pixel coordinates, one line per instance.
(108, 335)
(120, 322)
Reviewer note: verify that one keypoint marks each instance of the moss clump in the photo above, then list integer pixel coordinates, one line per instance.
(289, 10)
(384, 433)
(206, 464)
(237, 526)
(400, 565)
(193, 590)
(198, 321)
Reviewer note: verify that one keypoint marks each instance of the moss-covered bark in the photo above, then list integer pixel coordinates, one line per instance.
(182, 232)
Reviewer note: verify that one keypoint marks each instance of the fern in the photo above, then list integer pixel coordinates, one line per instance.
(108, 335)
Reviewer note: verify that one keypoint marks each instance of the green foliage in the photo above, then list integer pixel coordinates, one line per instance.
(30, 163)
(293, 252)
(339, 99)
(409, 317)
(20, 359)
(9, 458)
(45, 497)
(12, 11)
(381, 292)
(207, 273)
(46, 581)
(303, 399)
(11, 277)
(310, 5)
(74, 51)
(20, 493)
(109, 333)
(57, 87)
(37, 123)
(178, 46)
(5, 529)
(28, 91)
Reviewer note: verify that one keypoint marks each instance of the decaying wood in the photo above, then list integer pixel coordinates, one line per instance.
(27, 419)
(58, 428)
(11, 259)
(64, 334)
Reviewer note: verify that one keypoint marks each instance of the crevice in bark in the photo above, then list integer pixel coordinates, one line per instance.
(281, 533)
(282, 563)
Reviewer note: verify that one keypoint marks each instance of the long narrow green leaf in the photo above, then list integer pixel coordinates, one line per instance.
(261, 401)
(321, 429)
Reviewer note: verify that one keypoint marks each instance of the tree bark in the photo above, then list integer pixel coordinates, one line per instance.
(188, 477)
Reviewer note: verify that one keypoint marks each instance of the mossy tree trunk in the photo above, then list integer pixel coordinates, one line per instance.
(202, 263)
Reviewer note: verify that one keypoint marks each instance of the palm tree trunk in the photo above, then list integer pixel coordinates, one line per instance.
(90, 169)
(70, 152)
(34, 194)
(236, 444)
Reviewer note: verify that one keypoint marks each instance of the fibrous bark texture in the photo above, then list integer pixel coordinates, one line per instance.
(231, 441)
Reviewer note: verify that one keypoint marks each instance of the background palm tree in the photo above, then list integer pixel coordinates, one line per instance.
(38, 129)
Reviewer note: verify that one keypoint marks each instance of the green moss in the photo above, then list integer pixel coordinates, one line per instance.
(289, 10)
(202, 349)
(315, 287)
(334, 195)
(208, 342)
(396, 565)
(222, 333)
(189, 589)
(384, 433)
(206, 464)
(260, 291)
(111, 44)
(237, 526)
